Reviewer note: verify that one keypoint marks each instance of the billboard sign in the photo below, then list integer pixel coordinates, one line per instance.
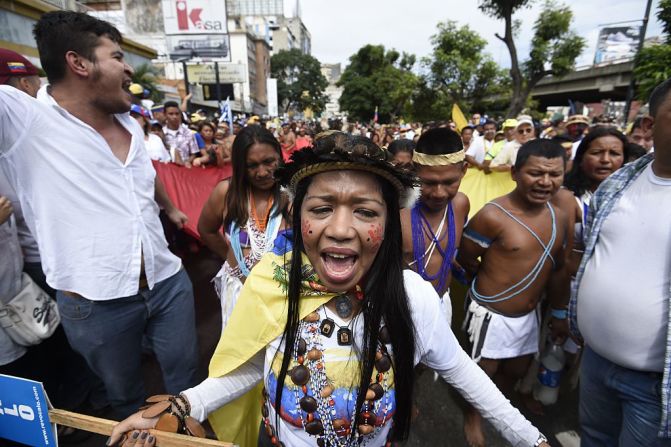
(204, 73)
(193, 45)
(617, 43)
(194, 16)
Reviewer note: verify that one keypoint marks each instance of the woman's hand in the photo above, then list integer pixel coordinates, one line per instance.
(138, 439)
(134, 422)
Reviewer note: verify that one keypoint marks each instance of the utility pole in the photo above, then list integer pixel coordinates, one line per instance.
(632, 83)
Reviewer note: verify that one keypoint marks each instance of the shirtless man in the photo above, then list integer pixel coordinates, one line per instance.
(520, 241)
(432, 228)
(288, 141)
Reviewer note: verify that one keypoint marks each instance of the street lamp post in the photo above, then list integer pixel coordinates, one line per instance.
(632, 82)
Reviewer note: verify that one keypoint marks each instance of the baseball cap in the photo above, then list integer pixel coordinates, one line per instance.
(136, 89)
(524, 119)
(12, 64)
(510, 122)
(135, 108)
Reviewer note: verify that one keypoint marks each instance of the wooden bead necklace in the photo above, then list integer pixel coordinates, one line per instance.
(313, 391)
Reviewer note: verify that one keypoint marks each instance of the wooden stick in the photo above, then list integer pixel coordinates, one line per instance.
(105, 426)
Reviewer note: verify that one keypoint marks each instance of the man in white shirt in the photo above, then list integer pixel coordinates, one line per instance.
(72, 384)
(89, 195)
(620, 298)
(475, 156)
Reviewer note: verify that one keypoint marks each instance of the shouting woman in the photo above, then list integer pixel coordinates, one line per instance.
(329, 327)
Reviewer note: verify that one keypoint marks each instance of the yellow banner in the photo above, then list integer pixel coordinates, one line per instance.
(481, 188)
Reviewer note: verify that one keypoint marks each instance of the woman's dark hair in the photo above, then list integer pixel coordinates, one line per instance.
(386, 301)
(402, 145)
(634, 151)
(238, 192)
(146, 127)
(576, 180)
(58, 32)
(208, 124)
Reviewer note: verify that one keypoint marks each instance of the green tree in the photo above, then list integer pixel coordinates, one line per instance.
(147, 76)
(554, 47)
(381, 78)
(653, 63)
(300, 82)
(460, 70)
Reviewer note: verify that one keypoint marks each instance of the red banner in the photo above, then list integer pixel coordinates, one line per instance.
(189, 188)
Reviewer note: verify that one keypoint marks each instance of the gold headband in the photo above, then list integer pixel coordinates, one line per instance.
(318, 168)
(438, 160)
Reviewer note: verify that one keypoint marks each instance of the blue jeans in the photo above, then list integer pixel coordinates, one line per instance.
(109, 335)
(618, 406)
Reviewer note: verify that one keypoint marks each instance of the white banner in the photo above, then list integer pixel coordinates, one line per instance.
(194, 16)
(271, 87)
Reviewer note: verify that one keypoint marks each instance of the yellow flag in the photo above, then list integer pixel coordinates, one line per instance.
(481, 188)
(458, 117)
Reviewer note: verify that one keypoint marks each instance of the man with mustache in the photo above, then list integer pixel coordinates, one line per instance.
(513, 248)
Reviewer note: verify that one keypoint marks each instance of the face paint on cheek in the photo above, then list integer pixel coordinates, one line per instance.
(376, 235)
(305, 228)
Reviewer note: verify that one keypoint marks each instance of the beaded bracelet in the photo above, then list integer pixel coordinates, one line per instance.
(172, 416)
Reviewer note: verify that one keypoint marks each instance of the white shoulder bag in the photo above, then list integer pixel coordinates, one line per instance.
(31, 316)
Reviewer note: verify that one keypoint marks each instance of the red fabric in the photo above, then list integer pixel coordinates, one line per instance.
(189, 188)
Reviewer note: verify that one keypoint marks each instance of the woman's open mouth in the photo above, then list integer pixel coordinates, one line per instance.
(339, 267)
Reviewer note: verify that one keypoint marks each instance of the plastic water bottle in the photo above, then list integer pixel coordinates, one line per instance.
(549, 374)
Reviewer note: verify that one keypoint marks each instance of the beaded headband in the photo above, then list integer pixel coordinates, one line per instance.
(438, 160)
(318, 168)
(337, 151)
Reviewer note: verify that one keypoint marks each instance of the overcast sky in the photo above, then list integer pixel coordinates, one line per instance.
(340, 28)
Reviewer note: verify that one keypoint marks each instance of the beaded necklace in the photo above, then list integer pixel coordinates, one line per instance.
(313, 391)
(420, 226)
(261, 224)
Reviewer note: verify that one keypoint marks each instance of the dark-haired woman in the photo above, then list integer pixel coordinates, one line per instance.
(213, 152)
(601, 152)
(249, 207)
(330, 323)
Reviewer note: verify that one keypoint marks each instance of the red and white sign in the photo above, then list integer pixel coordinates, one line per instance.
(194, 16)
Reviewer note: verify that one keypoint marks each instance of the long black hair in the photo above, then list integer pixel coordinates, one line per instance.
(385, 300)
(576, 180)
(238, 192)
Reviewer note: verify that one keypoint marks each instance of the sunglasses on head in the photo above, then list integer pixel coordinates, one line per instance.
(525, 130)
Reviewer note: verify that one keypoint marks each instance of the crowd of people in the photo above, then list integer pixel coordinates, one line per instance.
(340, 244)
